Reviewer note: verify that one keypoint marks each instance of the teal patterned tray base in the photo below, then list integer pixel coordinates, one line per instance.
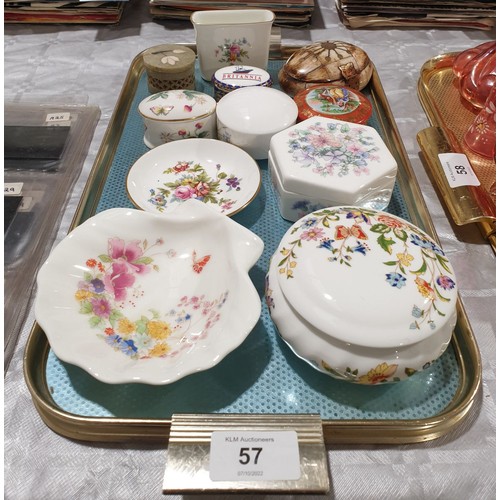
(262, 375)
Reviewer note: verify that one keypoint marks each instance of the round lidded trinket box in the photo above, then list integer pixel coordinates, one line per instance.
(178, 114)
(362, 295)
(322, 162)
(231, 78)
(169, 67)
(250, 116)
(335, 62)
(333, 101)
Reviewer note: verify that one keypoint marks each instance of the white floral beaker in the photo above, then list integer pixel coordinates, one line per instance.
(232, 37)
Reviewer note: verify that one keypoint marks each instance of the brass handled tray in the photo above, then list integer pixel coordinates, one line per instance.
(450, 117)
(262, 376)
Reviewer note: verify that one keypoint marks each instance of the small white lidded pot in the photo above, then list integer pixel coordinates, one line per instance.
(230, 78)
(323, 162)
(249, 117)
(178, 114)
(362, 295)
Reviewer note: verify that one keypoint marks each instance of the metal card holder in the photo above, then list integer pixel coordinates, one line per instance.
(466, 204)
(188, 455)
(450, 118)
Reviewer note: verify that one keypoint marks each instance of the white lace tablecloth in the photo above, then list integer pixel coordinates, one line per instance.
(91, 62)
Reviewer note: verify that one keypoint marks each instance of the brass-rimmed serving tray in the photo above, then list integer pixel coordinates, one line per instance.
(463, 349)
(451, 116)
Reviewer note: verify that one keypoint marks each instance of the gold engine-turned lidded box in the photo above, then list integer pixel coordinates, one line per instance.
(169, 66)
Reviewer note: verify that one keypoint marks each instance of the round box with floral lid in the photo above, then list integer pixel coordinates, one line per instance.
(333, 101)
(362, 295)
(169, 67)
(235, 77)
(178, 114)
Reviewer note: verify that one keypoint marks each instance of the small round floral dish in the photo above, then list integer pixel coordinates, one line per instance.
(178, 114)
(362, 295)
(133, 297)
(219, 174)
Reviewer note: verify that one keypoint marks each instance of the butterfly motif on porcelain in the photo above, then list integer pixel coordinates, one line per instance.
(161, 110)
(343, 232)
(199, 264)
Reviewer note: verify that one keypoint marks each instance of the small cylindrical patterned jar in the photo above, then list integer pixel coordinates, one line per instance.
(169, 67)
(231, 78)
(333, 101)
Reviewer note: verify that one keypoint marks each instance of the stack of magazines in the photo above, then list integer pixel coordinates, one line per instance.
(289, 13)
(68, 12)
(473, 14)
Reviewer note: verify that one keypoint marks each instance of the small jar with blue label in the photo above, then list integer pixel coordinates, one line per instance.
(231, 78)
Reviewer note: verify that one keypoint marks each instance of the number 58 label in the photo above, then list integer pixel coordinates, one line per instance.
(458, 170)
(254, 456)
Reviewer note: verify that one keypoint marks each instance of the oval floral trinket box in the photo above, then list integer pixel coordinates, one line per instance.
(178, 114)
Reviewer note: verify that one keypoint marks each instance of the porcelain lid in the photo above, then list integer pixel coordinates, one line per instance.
(238, 111)
(366, 277)
(233, 77)
(330, 159)
(171, 105)
(333, 101)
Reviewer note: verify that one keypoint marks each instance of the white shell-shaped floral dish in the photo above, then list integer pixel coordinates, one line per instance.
(131, 296)
(219, 174)
(366, 277)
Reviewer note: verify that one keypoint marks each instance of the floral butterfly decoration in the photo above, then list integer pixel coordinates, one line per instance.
(432, 274)
(199, 264)
(161, 110)
(343, 232)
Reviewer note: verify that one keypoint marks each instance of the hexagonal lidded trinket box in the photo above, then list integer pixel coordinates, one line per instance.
(323, 162)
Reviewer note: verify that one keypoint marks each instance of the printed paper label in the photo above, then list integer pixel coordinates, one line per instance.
(12, 188)
(254, 456)
(458, 170)
(63, 118)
